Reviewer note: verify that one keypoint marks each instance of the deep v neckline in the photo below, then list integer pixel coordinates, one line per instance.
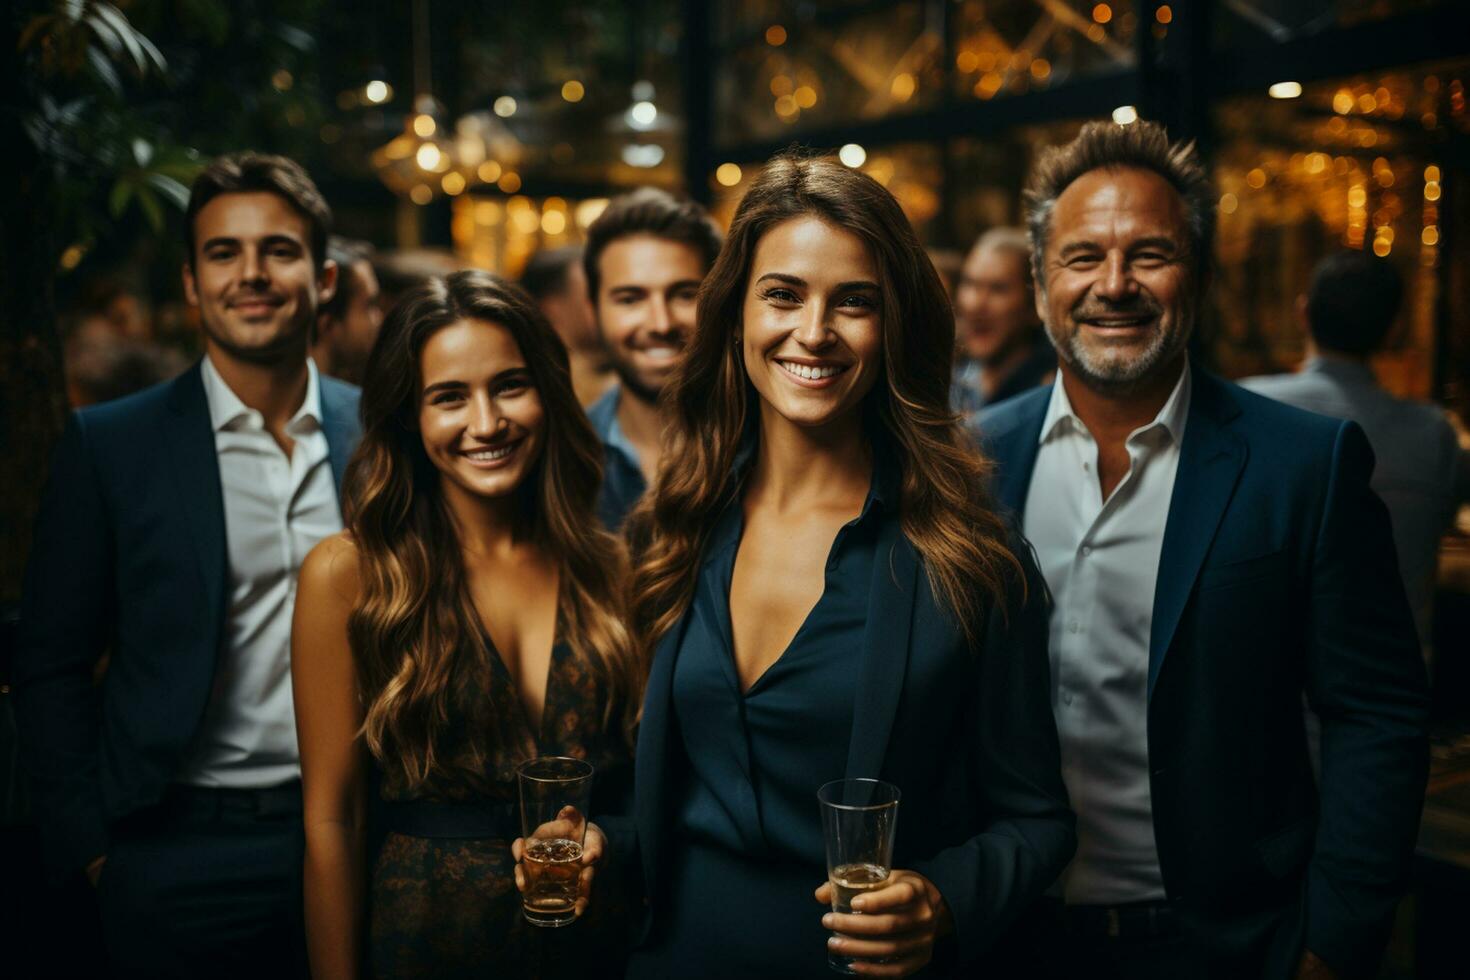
(537, 731)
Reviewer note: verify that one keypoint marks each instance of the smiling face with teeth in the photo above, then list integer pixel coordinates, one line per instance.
(480, 416)
(812, 326)
(1120, 289)
(645, 307)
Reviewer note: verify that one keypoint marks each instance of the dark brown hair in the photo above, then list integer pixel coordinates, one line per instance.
(649, 211)
(944, 502)
(422, 656)
(1107, 145)
(249, 172)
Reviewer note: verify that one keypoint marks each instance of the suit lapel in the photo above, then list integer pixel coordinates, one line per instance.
(885, 652)
(1210, 463)
(1015, 450)
(339, 424)
(196, 473)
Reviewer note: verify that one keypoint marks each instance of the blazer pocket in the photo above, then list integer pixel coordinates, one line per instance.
(1243, 570)
(1286, 851)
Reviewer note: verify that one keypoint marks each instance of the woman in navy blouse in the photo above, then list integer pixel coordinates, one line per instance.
(828, 592)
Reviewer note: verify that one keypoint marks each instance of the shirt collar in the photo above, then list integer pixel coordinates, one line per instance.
(604, 416)
(227, 411)
(1172, 416)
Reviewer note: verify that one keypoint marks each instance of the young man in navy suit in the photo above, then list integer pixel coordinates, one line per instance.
(169, 541)
(1214, 557)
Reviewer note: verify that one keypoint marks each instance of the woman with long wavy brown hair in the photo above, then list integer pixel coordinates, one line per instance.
(828, 592)
(467, 619)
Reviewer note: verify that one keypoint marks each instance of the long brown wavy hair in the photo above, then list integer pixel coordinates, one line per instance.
(944, 507)
(421, 653)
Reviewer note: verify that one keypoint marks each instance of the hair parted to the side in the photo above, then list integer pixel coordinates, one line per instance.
(649, 211)
(944, 504)
(251, 172)
(421, 654)
(1105, 146)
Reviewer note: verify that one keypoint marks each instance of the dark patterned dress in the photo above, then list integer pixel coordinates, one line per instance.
(443, 897)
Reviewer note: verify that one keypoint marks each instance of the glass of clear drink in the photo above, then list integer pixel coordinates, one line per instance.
(555, 794)
(858, 820)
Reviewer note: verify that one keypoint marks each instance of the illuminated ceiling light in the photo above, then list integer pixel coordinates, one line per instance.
(852, 155)
(423, 125)
(505, 107)
(643, 155)
(728, 174)
(775, 35)
(1285, 90)
(643, 115)
(377, 92)
(421, 194)
(428, 157)
(1125, 115)
(572, 91)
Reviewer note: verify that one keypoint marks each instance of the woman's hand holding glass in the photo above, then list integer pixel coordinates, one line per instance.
(594, 844)
(893, 928)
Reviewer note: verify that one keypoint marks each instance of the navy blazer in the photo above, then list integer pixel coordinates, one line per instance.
(129, 558)
(966, 733)
(1277, 577)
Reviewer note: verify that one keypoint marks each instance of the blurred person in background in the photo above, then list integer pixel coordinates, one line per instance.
(102, 364)
(557, 282)
(169, 540)
(1348, 312)
(1002, 349)
(402, 269)
(348, 323)
(644, 260)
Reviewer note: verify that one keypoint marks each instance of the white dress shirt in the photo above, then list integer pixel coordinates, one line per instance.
(1101, 561)
(276, 509)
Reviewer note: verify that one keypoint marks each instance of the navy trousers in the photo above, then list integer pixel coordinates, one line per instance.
(207, 884)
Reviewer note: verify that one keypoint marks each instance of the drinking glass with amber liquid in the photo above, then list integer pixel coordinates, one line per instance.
(555, 794)
(858, 820)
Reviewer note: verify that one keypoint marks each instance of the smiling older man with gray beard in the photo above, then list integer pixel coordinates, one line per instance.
(1214, 557)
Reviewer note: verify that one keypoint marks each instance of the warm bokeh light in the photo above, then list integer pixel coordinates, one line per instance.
(572, 91)
(489, 172)
(423, 125)
(1285, 90)
(805, 97)
(775, 35)
(1164, 14)
(509, 182)
(1431, 173)
(1102, 13)
(728, 174)
(377, 92)
(852, 155)
(643, 113)
(1125, 115)
(428, 157)
(1343, 102)
(505, 107)
(1256, 178)
(421, 194)
(453, 183)
(901, 88)
(1228, 203)
(554, 222)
